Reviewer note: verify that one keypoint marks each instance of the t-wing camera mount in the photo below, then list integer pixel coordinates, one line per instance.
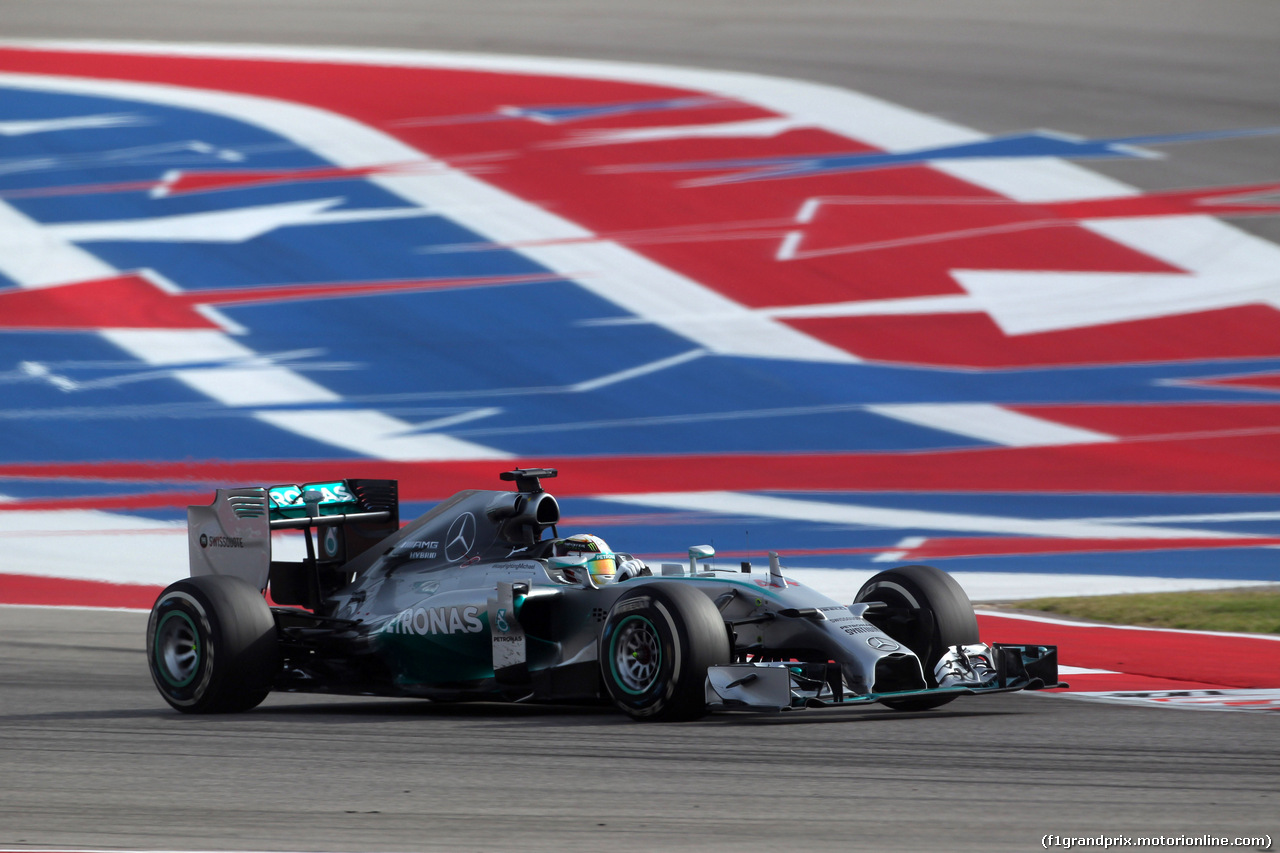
(526, 479)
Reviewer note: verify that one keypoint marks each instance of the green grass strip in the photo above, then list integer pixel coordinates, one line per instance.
(1253, 611)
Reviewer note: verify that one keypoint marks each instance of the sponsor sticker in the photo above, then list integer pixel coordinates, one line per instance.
(418, 549)
(426, 587)
(330, 493)
(207, 541)
(882, 644)
(638, 603)
(424, 621)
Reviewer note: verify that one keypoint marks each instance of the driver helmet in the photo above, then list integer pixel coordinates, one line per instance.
(584, 549)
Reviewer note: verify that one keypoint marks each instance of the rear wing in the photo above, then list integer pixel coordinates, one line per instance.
(232, 536)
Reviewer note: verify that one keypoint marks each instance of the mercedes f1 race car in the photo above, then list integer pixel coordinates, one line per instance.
(482, 599)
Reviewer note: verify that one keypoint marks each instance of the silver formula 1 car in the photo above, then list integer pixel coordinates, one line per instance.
(471, 602)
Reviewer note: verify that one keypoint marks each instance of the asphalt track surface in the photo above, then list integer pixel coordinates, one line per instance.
(91, 758)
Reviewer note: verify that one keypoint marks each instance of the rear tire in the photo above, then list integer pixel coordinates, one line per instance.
(946, 619)
(211, 645)
(657, 643)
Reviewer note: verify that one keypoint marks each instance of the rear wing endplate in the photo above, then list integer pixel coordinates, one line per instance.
(232, 536)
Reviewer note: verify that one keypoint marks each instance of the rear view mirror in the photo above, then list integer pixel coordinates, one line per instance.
(699, 552)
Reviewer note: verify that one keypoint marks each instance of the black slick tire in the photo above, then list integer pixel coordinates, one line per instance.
(657, 643)
(945, 618)
(211, 645)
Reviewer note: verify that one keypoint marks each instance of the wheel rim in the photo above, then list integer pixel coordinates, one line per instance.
(637, 654)
(177, 649)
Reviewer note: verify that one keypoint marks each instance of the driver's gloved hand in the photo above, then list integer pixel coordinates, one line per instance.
(631, 569)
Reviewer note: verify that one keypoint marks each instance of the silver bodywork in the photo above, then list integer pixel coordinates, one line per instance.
(461, 603)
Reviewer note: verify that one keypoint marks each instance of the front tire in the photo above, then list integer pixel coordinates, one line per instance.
(945, 618)
(211, 645)
(657, 643)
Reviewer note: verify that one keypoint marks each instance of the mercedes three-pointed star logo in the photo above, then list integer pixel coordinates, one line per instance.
(460, 538)
(883, 644)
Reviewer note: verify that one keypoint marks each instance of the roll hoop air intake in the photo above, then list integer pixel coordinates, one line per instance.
(526, 513)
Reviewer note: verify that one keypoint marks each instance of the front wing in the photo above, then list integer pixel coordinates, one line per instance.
(786, 686)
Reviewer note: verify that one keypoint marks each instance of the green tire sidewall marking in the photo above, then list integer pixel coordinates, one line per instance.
(613, 655)
(158, 654)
